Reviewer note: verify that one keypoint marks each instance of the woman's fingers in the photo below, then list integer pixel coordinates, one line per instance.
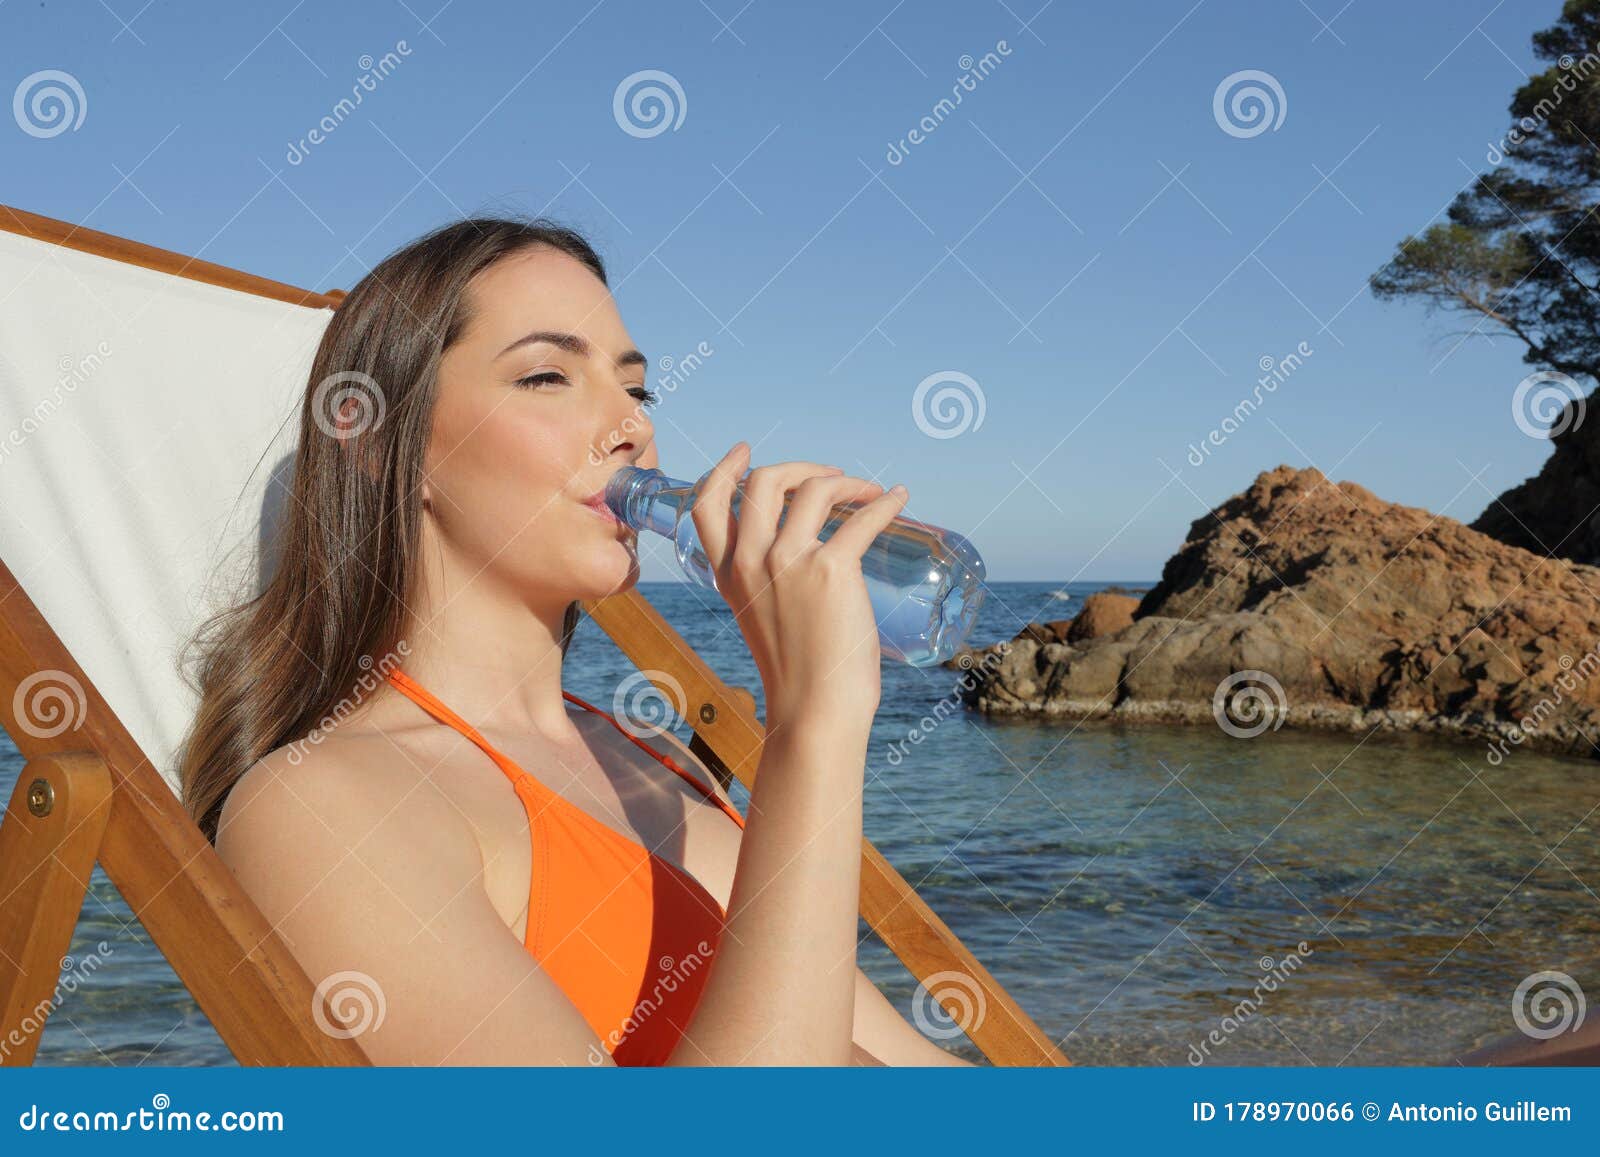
(764, 491)
(712, 513)
(858, 531)
(813, 503)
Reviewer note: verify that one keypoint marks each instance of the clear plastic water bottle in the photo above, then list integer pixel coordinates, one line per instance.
(925, 583)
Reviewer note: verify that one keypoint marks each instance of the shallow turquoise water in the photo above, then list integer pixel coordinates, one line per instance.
(1127, 886)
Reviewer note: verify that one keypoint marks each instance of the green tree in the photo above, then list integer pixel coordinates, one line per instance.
(1519, 250)
(1521, 245)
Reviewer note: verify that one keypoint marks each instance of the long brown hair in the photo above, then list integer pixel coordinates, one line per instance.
(275, 667)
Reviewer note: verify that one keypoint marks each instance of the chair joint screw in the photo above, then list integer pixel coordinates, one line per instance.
(41, 797)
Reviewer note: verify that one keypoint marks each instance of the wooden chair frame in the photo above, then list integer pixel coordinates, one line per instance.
(90, 795)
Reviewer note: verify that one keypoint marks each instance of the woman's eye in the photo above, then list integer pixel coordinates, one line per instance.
(540, 379)
(551, 377)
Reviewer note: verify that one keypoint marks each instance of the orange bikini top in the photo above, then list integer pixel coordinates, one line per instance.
(629, 936)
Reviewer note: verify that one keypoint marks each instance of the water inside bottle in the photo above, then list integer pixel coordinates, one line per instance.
(925, 583)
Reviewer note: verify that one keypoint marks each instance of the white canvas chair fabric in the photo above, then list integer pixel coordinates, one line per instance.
(145, 420)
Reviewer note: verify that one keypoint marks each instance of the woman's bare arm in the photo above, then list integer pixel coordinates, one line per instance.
(880, 1034)
(375, 881)
(782, 988)
(890, 1037)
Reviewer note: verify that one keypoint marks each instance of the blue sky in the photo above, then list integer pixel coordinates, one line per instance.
(1081, 237)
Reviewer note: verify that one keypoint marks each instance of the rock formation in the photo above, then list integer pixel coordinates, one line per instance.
(1102, 614)
(1557, 511)
(1309, 603)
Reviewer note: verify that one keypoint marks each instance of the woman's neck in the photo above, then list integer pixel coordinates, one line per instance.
(495, 662)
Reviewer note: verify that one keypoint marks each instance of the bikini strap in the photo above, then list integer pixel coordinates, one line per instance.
(425, 699)
(666, 761)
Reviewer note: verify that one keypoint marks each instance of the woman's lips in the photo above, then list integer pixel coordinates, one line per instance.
(601, 510)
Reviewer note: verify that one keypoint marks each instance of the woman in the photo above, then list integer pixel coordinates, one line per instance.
(496, 871)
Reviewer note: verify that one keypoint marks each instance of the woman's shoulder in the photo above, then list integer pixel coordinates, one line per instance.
(334, 765)
(305, 799)
(377, 889)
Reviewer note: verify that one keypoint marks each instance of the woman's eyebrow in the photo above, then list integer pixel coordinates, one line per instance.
(573, 344)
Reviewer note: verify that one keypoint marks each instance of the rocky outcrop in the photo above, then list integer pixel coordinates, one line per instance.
(1557, 511)
(1102, 614)
(1054, 631)
(1309, 603)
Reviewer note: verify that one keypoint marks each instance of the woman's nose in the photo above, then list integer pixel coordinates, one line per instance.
(628, 427)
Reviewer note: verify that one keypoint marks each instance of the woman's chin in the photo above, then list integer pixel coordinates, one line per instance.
(618, 572)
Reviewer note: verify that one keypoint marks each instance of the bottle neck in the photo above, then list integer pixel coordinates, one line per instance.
(645, 498)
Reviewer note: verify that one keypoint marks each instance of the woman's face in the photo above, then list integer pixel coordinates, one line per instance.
(539, 404)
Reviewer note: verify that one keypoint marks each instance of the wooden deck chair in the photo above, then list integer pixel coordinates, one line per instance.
(116, 507)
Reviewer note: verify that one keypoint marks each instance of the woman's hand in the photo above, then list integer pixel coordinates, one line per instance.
(802, 604)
